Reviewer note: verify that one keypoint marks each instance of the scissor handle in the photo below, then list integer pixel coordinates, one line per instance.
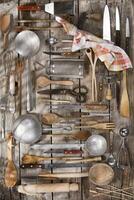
(80, 93)
(82, 90)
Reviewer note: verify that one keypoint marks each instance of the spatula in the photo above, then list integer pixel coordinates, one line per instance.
(43, 81)
(10, 171)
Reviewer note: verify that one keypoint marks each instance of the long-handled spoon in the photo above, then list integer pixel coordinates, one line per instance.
(10, 171)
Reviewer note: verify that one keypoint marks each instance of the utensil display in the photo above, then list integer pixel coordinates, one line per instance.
(80, 93)
(96, 145)
(43, 81)
(10, 171)
(101, 174)
(6, 25)
(124, 101)
(103, 126)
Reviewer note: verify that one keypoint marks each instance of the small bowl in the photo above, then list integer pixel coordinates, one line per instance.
(101, 174)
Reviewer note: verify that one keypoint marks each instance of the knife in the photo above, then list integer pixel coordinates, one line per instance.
(106, 24)
(127, 34)
(47, 147)
(54, 165)
(124, 102)
(117, 26)
(62, 53)
(54, 8)
(70, 152)
(117, 42)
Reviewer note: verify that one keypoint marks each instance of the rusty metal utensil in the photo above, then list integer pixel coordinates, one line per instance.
(10, 171)
(123, 156)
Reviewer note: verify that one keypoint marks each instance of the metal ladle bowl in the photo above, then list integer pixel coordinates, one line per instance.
(96, 145)
(27, 129)
(27, 43)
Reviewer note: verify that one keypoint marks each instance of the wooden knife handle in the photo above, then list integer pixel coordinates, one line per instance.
(96, 106)
(66, 83)
(52, 187)
(29, 8)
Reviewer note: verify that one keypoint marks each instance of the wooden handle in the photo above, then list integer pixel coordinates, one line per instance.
(109, 93)
(5, 40)
(84, 160)
(9, 146)
(66, 83)
(29, 8)
(32, 159)
(42, 188)
(124, 102)
(96, 106)
(64, 175)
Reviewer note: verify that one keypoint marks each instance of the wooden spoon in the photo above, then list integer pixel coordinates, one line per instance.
(80, 135)
(33, 159)
(43, 81)
(124, 102)
(10, 171)
(6, 22)
(52, 118)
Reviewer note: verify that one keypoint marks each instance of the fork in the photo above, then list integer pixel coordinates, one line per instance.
(103, 126)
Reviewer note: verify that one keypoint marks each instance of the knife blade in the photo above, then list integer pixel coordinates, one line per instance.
(67, 54)
(117, 26)
(47, 147)
(70, 152)
(117, 42)
(54, 165)
(127, 34)
(106, 24)
(54, 8)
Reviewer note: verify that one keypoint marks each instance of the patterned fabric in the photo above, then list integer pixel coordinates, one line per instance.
(113, 56)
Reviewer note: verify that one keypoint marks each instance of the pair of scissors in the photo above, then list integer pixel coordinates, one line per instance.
(80, 93)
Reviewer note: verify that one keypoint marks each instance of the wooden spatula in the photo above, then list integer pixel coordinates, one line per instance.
(10, 171)
(43, 81)
(124, 103)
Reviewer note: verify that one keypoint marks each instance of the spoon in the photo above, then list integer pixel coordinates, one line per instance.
(52, 118)
(43, 81)
(10, 171)
(80, 135)
(111, 159)
(6, 22)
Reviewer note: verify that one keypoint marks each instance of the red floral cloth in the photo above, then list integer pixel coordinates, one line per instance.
(113, 56)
